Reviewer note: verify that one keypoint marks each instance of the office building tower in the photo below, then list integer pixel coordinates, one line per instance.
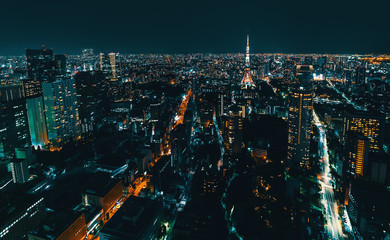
(222, 104)
(87, 87)
(60, 65)
(110, 64)
(14, 130)
(321, 62)
(304, 76)
(368, 124)
(360, 75)
(32, 88)
(235, 131)
(356, 148)
(37, 121)
(299, 120)
(88, 59)
(299, 125)
(309, 60)
(379, 171)
(40, 64)
(19, 169)
(61, 108)
(40, 68)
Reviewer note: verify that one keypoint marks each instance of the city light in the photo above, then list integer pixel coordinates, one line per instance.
(180, 124)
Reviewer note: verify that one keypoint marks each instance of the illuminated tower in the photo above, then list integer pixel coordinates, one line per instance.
(247, 52)
(247, 79)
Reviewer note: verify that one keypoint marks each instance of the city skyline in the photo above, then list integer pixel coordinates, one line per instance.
(182, 120)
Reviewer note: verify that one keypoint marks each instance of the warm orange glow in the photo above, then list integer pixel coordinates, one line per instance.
(182, 109)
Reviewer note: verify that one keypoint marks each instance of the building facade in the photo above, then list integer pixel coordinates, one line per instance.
(61, 110)
(14, 130)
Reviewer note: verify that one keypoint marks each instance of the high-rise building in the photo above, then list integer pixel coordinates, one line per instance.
(222, 104)
(299, 120)
(304, 76)
(61, 108)
(309, 60)
(299, 125)
(32, 88)
(356, 147)
(235, 131)
(37, 121)
(40, 68)
(13, 120)
(368, 124)
(19, 169)
(87, 86)
(60, 64)
(321, 62)
(40, 64)
(88, 59)
(110, 64)
(360, 75)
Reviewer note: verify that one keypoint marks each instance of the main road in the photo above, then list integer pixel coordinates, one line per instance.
(333, 221)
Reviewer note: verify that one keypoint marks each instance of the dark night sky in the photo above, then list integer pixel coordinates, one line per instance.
(150, 26)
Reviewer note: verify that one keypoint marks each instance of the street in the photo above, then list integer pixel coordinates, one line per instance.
(333, 223)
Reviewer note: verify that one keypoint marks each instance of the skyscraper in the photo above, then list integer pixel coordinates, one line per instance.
(88, 59)
(110, 64)
(360, 75)
(40, 68)
(235, 132)
(304, 76)
(13, 120)
(40, 64)
(356, 147)
(37, 121)
(299, 121)
(368, 124)
(247, 79)
(309, 60)
(87, 86)
(61, 108)
(60, 65)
